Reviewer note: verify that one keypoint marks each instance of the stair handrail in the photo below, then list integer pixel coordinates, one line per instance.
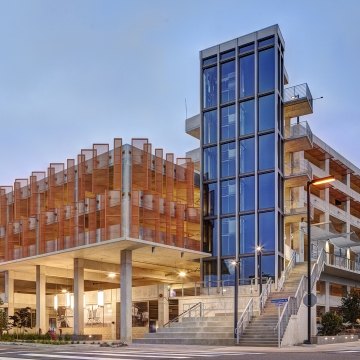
(176, 319)
(294, 302)
(265, 294)
(245, 319)
(286, 272)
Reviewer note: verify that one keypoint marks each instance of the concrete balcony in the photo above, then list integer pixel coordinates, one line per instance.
(194, 155)
(192, 126)
(298, 101)
(295, 210)
(298, 137)
(297, 173)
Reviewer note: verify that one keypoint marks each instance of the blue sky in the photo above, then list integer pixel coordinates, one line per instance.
(73, 73)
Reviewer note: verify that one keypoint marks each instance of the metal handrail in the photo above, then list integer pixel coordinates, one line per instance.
(199, 304)
(265, 294)
(294, 303)
(245, 319)
(286, 272)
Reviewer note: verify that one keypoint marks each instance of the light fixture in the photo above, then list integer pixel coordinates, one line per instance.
(182, 274)
(111, 275)
(72, 302)
(64, 291)
(100, 298)
(324, 180)
(233, 262)
(56, 302)
(258, 248)
(67, 299)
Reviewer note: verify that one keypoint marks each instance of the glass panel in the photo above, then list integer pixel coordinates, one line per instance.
(247, 234)
(210, 127)
(210, 237)
(209, 61)
(247, 155)
(228, 81)
(267, 231)
(268, 266)
(247, 117)
(228, 157)
(228, 122)
(210, 163)
(266, 70)
(267, 190)
(266, 42)
(228, 272)
(228, 236)
(247, 71)
(227, 55)
(210, 199)
(210, 87)
(228, 197)
(210, 273)
(245, 48)
(266, 152)
(247, 270)
(267, 112)
(247, 193)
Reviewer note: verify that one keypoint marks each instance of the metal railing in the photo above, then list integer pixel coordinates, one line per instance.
(298, 130)
(294, 302)
(287, 271)
(297, 92)
(196, 310)
(342, 262)
(245, 319)
(265, 294)
(299, 167)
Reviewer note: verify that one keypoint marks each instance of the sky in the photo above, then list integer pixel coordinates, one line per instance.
(78, 72)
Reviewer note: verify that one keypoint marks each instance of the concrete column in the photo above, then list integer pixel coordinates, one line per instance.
(163, 304)
(9, 291)
(126, 296)
(40, 299)
(327, 296)
(78, 296)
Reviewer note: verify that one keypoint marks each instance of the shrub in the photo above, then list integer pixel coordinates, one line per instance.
(350, 306)
(332, 323)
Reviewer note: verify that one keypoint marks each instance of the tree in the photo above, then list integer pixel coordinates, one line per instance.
(21, 319)
(3, 319)
(332, 323)
(350, 306)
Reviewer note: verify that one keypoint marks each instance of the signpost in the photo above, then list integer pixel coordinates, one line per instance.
(279, 303)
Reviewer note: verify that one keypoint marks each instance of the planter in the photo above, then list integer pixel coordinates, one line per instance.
(335, 339)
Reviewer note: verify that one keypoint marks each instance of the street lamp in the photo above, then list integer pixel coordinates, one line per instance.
(236, 295)
(259, 255)
(314, 182)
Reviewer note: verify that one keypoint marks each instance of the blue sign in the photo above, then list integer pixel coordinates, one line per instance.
(279, 301)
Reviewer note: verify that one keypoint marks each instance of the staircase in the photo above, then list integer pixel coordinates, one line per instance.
(261, 331)
(217, 330)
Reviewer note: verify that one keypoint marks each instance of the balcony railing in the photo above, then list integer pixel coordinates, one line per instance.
(296, 207)
(342, 262)
(298, 92)
(298, 130)
(299, 168)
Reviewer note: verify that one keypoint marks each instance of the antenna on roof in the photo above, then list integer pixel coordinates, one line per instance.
(185, 109)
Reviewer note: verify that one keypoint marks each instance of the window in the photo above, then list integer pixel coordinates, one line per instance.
(266, 42)
(228, 236)
(210, 87)
(210, 273)
(210, 60)
(228, 122)
(247, 155)
(267, 190)
(210, 236)
(228, 197)
(210, 163)
(268, 266)
(246, 48)
(228, 81)
(267, 231)
(266, 70)
(247, 234)
(266, 152)
(246, 72)
(210, 127)
(247, 117)
(266, 112)
(247, 193)
(228, 157)
(247, 270)
(228, 272)
(227, 55)
(210, 199)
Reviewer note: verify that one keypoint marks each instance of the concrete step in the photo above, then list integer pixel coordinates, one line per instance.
(190, 335)
(181, 341)
(201, 324)
(209, 318)
(177, 329)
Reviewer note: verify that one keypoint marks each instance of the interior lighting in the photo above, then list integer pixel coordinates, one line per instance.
(182, 274)
(67, 299)
(64, 291)
(324, 180)
(72, 302)
(111, 275)
(56, 302)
